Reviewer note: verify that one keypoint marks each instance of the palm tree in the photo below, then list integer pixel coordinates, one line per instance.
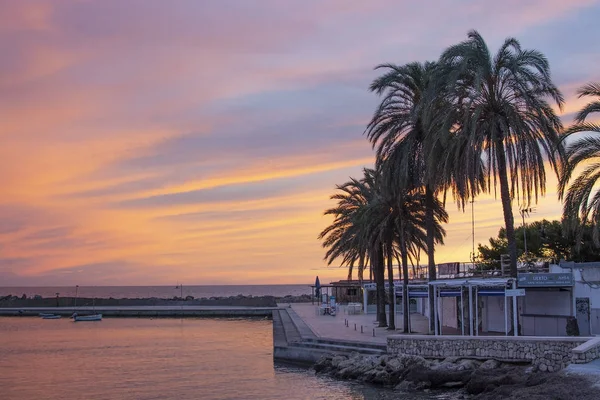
(501, 106)
(347, 238)
(411, 209)
(582, 201)
(397, 217)
(402, 129)
(343, 237)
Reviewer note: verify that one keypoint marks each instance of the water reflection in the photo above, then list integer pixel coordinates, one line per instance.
(154, 359)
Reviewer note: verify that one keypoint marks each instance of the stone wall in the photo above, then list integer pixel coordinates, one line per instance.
(586, 352)
(545, 354)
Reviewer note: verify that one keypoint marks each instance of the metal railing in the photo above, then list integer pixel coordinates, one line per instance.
(492, 269)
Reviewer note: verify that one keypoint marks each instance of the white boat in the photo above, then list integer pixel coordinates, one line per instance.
(50, 316)
(92, 317)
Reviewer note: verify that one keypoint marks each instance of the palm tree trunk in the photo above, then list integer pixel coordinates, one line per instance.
(361, 268)
(399, 261)
(508, 216)
(430, 227)
(380, 281)
(405, 298)
(507, 207)
(392, 295)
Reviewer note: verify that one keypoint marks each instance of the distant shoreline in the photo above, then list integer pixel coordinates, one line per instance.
(160, 292)
(11, 301)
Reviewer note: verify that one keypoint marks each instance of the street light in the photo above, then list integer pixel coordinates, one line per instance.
(76, 290)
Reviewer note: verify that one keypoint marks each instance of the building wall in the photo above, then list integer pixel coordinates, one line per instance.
(547, 301)
(449, 311)
(587, 285)
(493, 314)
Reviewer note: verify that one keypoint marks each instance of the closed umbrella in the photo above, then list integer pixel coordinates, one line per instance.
(317, 288)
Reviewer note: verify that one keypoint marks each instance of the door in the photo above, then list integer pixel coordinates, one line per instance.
(583, 315)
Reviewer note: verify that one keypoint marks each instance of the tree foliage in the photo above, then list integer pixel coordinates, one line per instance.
(546, 240)
(581, 195)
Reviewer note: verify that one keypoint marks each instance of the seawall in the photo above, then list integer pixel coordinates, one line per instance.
(145, 311)
(543, 353)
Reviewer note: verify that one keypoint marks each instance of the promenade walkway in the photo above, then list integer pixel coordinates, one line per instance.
(333, 327)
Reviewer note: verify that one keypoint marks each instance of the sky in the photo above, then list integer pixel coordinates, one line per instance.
(149, 142)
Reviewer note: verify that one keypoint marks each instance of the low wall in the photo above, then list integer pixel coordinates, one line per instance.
(544, 353)
(586, 352)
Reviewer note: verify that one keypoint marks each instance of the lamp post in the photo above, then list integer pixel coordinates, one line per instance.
(76, 290)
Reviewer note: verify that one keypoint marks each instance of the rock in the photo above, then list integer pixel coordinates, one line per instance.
(409, 386)
(469, 364)
(436, 378)
(484, 380)
(446, 366)
(324, 364)
(348, 363)
(369, 375)
(336, 360)
(394, 365)
(528, 370)
(37, 297)
(189, 298)
(490, 364)
(543, 367)
(453, 385)
(383, 360)
(381, 377)
(451, 360)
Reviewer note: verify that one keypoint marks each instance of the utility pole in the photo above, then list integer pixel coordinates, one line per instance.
(473, 231)
(525, 211)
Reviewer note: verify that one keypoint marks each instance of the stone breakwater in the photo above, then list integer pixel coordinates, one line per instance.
(545, 354)
(489, 379)
(234, 301)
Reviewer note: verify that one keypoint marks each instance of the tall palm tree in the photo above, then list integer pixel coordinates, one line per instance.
(501, 104)
(582, 201)
(347, 238)
(401, 131)
(409, 209)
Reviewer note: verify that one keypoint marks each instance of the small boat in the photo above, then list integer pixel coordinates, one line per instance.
(50, 316)
(92, 317)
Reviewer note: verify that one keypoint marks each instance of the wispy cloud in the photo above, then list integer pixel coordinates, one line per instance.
(149, 142)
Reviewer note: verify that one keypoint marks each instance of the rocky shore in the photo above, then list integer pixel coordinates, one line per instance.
(232, 301)
(471, 379)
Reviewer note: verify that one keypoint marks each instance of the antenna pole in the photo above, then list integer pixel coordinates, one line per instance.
(473, 230)
(524, 231)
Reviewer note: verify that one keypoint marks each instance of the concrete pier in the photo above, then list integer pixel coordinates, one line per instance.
(145, 311)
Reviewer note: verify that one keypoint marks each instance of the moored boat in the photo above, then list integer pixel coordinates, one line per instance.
(92, 317)
(45, 314)
(50, 316)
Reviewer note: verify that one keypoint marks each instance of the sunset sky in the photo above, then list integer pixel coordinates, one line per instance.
(154, 142)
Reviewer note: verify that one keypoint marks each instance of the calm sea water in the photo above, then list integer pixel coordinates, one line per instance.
(166, 292)
(154, 359)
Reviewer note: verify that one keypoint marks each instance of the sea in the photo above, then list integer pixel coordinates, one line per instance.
(164, 292)
(165, 358)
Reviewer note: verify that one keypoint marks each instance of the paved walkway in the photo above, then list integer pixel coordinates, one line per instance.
(333, 327)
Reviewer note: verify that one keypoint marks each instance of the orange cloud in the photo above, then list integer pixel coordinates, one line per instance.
(201, 143)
